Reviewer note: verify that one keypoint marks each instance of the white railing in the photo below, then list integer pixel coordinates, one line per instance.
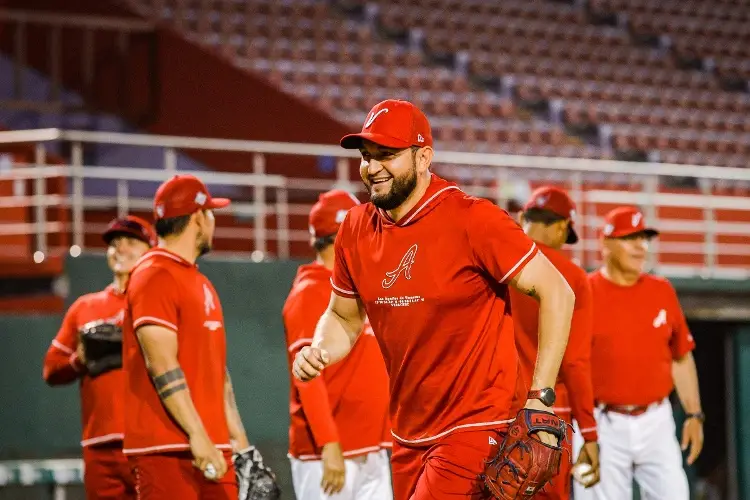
(716, 245)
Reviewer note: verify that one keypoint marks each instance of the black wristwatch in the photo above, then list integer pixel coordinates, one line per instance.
(546, 396)
(699, 415)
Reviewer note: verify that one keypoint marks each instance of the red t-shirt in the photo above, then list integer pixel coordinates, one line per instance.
(168, 291)
(349, 403)
(434, 286)
(574, 390)
(638, 331)
(101, 397)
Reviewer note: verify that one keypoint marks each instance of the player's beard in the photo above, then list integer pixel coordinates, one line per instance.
(204, 245)
(401, 189)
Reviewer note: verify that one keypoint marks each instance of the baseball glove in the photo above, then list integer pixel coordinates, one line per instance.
(524, 464)
(102, 343)
(255, 480)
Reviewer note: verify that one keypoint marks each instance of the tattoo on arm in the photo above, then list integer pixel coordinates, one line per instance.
(229, 392)
(531, 292)
(175, 388)
(166, 378)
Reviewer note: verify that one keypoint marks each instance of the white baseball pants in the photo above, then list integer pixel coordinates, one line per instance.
(643, 447)
(368, 477)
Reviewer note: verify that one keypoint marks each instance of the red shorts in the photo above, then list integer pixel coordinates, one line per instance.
(449, 468)
(168, 476)
(559, 487)
(107, 475)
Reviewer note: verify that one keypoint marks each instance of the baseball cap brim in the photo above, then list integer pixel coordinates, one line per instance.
(648, 233)
(123, 231)
(218, 203)
(354, 141)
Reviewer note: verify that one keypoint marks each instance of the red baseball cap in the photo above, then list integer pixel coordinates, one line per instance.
(328, 213)
(184, 195)
(393, 124)
(626, 221)
(130, 226)
(555, 200)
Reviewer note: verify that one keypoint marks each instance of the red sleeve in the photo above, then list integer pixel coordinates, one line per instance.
(61, 364)
(153, 299)
(342, 281)
(499, 244)
(575, 370)
(682, 341)
(301, 316)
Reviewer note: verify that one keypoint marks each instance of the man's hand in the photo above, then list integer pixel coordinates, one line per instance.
(692, 436)
(309, 363)
(334, 469)
(205, 454)
(544, 437)
(590, 455)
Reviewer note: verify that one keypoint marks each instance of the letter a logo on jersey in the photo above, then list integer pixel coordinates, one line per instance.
(208, 299)
(404, 267)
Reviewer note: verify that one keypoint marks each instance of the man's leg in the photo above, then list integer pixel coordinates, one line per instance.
(373, 479)
(615, 459)
(108, 475)
(307, 475)
(165, 476)
(406, 466)
(223, 489)
(658, 459)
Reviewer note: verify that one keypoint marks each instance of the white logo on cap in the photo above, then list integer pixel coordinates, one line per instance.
(541, 201)
(372, 117)
(572, 214)
(420, 138)
(160, 210)
(340, 216)
(608, 229)
(636, 218)
(200, 198)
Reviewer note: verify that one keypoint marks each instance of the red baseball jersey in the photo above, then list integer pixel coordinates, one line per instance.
(573, 388)
(638, 331)
(101, 397)
(434, 285)
(168, 291)
(349, 403)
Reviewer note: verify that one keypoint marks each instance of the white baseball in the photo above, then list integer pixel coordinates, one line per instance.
(210, 472)
(580, 473)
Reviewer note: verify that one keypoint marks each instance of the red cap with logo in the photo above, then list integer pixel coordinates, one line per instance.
(184, 195)
(557, 201)
(132, 226)
(626, 221)
(393, 124)
(328, 213)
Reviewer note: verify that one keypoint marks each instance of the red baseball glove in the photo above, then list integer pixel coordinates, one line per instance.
(524, 464)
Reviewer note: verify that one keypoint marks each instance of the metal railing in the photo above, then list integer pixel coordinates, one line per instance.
(716, 244)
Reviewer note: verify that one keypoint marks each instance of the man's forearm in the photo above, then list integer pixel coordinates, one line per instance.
(555, 312)
(234, 420)
(685, 376)
(335, 335)
(175, 396)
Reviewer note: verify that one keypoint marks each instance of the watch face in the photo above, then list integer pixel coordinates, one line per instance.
(548, 397)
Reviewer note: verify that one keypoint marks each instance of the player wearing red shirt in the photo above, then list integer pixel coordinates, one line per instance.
(107, 473)
(640, 352)
(548, 219)
(339, 426)
(180, 413)
(430, 267)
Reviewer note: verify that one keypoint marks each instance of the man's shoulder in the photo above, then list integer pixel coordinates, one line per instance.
(658, 284)
(152, 272)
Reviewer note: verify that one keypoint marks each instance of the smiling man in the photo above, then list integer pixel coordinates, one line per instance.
(88, 348)
(641, 350)
(430, 267)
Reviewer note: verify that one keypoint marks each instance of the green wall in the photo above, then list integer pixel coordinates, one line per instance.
(742, 388)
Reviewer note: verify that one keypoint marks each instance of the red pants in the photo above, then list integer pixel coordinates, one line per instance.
(171, 476)
(449, 468)
(107, 474)
(559, 487)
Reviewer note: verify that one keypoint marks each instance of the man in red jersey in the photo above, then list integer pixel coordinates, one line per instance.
(641, 351)
(180, 414)
(107, 473)
(339, 422)
(430, 267)
(548, 220)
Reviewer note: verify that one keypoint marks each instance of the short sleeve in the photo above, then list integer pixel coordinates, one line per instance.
(342, 281)
(153, 299)
(302, 313)
(499, 244)
(682, 341)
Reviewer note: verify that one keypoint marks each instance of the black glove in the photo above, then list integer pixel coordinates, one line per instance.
(255, 480)
(102, 343)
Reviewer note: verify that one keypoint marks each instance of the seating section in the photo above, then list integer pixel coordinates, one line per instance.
(603, 78)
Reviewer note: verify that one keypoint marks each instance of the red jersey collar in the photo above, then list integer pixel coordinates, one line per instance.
(163, 253)
(432, 197)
